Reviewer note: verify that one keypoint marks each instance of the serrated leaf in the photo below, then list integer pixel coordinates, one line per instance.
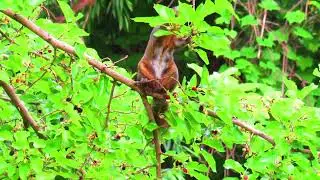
(269, 5)
(295, 17)
(248, 20)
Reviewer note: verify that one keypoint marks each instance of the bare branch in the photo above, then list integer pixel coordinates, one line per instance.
(253, 130)
(27, 118)
(155, 134)
(244, 126)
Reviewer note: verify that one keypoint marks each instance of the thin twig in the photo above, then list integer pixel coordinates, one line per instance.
(109, 103)
(7, 37)
(122, 59)
(253, 130)
(142, 169)
(262, 30)
(170, 4)
(284, 65)
(296, 5)
(45, 72)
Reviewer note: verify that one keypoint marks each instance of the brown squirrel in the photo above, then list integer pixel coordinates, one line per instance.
(157, 71)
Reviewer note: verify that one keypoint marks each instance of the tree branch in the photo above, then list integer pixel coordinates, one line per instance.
(15, 100)
(251, 129)
(155, 134)
(69, 49)
(96, 64)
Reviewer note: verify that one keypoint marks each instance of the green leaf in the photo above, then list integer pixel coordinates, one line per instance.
(315, 3)
(203, 55)
(215, 144)
(299, 31)
(267, 42)
(164, 11)
(162, 32)
(6, 135)
(269, 5)
(36, 164)
(295, 17)
(203, 10)
(4, 76)
(210, 160)
(248, 52)
(67, 11)
(306, 91)
(24, 170)
(248, 20)
(21, 141)
(186, 12)
(196, 166)
(196, 68)
(232, 164)
(316, 71)
(39, 143)
(152, 21)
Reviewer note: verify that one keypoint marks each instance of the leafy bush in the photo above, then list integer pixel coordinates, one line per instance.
(256, 129)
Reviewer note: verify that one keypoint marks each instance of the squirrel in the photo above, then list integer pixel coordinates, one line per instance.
(157, 71)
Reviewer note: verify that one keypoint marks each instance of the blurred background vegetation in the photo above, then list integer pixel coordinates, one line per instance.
(289, 42)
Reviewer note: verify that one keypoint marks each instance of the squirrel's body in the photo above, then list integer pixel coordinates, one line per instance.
(157, 71)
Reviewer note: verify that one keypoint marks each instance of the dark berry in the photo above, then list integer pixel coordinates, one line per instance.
(80, 110)
(214, 132)
(117, 137)
(194, 88)
(68, 99)
(49, 51)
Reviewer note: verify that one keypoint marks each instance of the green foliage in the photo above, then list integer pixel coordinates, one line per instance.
(69, 99)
